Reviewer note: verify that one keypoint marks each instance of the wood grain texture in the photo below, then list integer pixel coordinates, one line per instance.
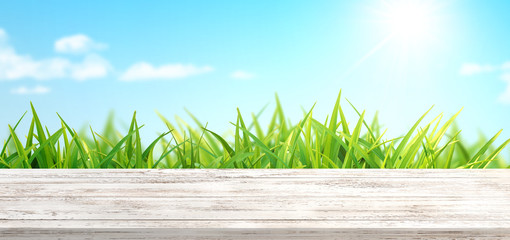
(254, 204)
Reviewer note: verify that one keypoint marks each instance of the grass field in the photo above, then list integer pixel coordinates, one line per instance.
(308, 144)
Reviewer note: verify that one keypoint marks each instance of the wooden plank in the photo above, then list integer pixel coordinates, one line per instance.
(265, 188)
(258, 173)
(254, 204)
(251, 233)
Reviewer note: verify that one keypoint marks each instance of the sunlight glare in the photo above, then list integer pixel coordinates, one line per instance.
(410, 20)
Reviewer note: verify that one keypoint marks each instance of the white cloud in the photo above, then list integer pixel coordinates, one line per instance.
(78, 44)
(474, 68)
(240, 74)
(26, 91)
(506, 77)
(505, 96)
(503, 69)
(14, 66)
(143, 71)
(93, 66)
(505, 66)
(3, 35)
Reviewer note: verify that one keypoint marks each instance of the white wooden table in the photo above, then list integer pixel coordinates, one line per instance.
(254, 204)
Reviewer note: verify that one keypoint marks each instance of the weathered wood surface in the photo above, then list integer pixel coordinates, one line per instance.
(254, 204)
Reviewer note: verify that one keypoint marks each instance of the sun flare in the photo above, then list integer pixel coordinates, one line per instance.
(410, 27)
(410, 21)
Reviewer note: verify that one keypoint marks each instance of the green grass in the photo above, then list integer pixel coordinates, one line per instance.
(309, 144)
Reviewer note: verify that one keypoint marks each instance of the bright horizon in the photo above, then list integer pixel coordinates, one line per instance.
(83, 59)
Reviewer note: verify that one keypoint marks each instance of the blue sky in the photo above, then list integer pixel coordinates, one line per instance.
(85, 58)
